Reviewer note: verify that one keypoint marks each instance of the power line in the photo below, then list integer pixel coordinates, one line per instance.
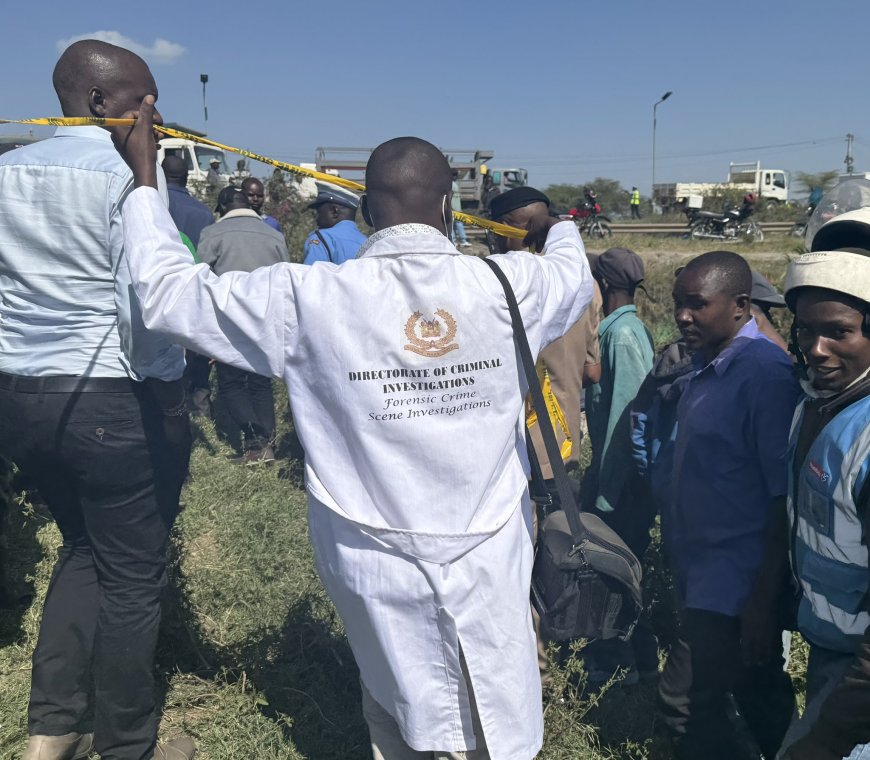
(544, 160)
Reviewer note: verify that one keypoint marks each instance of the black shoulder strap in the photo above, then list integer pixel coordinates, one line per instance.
(862, 506)
(325, 245)
(566, 497)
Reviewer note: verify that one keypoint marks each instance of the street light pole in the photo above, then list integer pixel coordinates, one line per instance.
(655, 106)
(204, 79)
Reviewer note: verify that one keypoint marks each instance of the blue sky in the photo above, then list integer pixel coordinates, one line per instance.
(564, 89)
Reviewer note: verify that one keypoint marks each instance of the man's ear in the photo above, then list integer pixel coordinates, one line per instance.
(97, 101)
(742, 305)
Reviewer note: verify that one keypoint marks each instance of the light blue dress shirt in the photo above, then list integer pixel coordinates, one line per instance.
(66, 302)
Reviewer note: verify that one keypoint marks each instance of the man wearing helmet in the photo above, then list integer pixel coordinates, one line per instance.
(829, 497)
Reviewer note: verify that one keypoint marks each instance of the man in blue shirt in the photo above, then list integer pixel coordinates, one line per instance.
(92, 411)
(729, 484)
(190, 215)
(337, 238)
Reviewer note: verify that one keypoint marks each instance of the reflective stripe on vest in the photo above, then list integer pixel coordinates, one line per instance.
(831, 560)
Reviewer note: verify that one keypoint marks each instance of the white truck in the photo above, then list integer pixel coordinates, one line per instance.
(470, 165)
(770, 186)
(197, 156)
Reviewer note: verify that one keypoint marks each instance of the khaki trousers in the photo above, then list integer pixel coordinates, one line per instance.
(387, 741)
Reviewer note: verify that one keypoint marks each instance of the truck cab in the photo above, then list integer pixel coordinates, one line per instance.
(469, 165)
(770, 184)
(197, 157)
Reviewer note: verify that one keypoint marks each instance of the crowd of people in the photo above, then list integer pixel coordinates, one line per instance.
(398, 355)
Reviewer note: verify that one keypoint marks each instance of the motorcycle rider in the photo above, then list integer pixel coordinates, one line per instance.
(747, 209)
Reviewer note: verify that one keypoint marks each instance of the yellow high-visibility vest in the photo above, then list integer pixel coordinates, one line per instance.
(635, 198)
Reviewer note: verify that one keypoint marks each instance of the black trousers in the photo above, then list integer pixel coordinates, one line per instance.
(635, 211)
(197, 371)
(110, 468)
(196, 377)
(250, 402)
(709, 697)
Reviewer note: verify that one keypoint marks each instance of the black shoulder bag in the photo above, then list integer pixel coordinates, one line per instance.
(585, 581)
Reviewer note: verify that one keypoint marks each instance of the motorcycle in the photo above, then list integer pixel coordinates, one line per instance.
(799, 228)
(590, 221)
(734, 224)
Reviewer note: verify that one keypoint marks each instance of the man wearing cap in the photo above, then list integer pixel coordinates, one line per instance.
(566, 364)
(253, 188)
(337, 238)
(627, 353)
(612, 487)
(728, 493)
(240, 242)
(764, 298)
(213, 178)
(829, 498)
(407, 398)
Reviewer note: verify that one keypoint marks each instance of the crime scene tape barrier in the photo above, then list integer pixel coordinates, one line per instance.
(93, 121)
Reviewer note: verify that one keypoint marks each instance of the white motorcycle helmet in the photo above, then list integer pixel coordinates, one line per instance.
(848, 195)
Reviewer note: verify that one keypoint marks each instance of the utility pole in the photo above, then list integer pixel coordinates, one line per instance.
(850, 164)
(204, 79)
(655, 106)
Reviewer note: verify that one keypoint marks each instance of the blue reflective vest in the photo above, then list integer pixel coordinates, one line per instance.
(827, 552)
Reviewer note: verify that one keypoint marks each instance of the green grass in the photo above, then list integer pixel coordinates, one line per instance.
(252, 660)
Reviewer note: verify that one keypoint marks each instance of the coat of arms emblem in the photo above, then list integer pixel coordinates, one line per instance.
(431, 337)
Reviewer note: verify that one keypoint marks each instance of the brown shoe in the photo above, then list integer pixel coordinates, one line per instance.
(181, 748)
(66, 747)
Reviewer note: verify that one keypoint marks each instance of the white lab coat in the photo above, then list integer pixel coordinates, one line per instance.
(420, 521)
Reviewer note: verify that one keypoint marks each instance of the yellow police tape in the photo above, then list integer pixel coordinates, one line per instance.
(84, 121)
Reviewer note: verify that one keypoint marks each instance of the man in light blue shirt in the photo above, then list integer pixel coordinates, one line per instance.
(337, 238)
(71, 312)
(93, 413)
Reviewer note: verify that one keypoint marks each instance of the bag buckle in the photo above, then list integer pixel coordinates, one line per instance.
(579, 549)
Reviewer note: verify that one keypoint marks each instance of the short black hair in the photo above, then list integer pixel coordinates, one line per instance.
(248, 181)
(730, 271)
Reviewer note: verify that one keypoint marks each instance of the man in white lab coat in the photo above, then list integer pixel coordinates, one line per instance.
(408, 399)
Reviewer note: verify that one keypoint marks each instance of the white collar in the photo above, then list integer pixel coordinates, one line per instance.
(401, 230)
(240, 212)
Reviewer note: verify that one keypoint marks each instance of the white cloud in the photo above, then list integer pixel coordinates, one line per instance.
(160, 51)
